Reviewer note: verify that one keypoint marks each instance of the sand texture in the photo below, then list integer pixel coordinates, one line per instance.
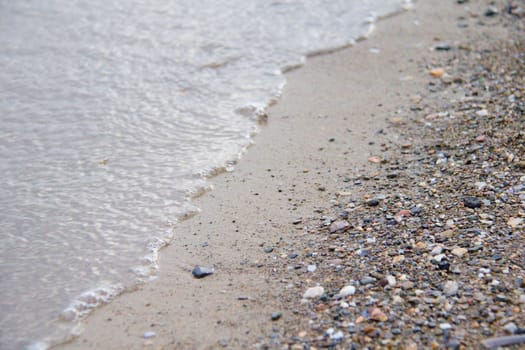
(394, 168)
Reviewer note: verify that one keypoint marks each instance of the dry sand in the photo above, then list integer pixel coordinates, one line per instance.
(325, 124)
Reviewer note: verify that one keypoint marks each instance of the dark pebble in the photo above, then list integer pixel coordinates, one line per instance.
(444, 265)
(415, 211)
(276, 315)
(442, 47)
(293, 255)
(268, 250)
(472, 202)
(372, 202)
(491, 11)
(202, 271)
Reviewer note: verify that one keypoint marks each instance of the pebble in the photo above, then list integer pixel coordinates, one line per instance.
(459, 252)
(202, 271)
(442, 47)
(510, 328)
(472, 202)
(437, 72)
(346, 291)
(482, 113)
(276, 315)
(338, 226)
(391, 280)
(515, 222)
(311, 268)
(148, 335)
(450, 288)
(491, 11)
(368, 280)
(314, 292)
(337, 336)
(268, 250)
(437, 250)
(374, 202)
(445, 326)
(378, 315)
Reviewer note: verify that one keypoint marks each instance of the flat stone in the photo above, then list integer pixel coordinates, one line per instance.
(391, 280)
(148, 335)
(346, 291)
(339, 226)
(314, 292)
(459, 252)
(367, 280)
(510, 328)
(445, 326)
(515, 222)
(472, 202)
(378, 315)
(311, 268)
(450, 288)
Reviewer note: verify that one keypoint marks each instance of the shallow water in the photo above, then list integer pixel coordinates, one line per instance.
(111, 115)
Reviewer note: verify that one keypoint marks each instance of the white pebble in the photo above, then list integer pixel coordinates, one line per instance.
(148, 335)
(346, 291)
(311, 268)
(445, 326)
(314, 292)
(482, 113)
(391, 280)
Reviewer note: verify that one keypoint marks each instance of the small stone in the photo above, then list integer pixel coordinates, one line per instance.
(292, 255)
(444, 265)
(421, 245)
(337, 336)
(374, 202)
(268, 250)
(515, 222)
(311, 268)
(346, 291)
(442, 47)
(482, 113)
(297, 221)
(367, 280)
(436, 250)
(314, 292)
(202, 271)
(450, 288)
(378, 315)
(437, 72)
(447, 234)
(391, 280)
(459, 252)
(510, 328)
(338, 226)
(481, 138)
(149, 335)
(472, 202)
(415, 210)
(397, 300)
(445, 326)
(398, 259)
(374, 160)
(276, 315)
(491, 11)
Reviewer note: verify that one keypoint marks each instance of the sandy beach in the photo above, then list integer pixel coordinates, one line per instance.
(375, 174)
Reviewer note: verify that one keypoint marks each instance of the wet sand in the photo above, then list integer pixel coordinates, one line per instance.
(335, 114)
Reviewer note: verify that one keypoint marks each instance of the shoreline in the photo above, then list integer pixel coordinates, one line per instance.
(332, 117)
